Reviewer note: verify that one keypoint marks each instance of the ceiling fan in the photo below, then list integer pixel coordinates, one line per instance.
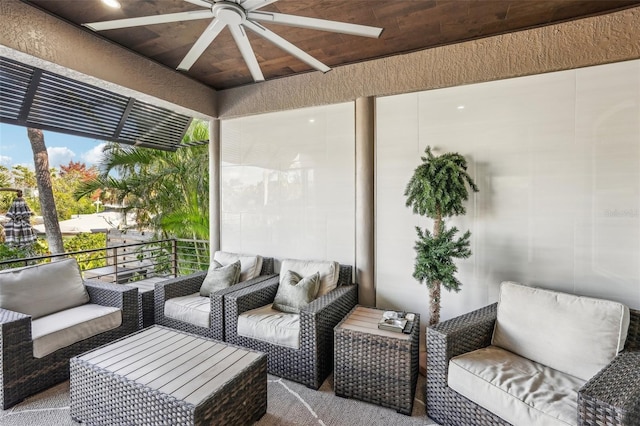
(239, 15)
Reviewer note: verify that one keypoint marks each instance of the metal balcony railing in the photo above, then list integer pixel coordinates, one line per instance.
(131, 262)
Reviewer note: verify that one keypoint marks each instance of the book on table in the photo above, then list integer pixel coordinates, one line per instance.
(398, 322)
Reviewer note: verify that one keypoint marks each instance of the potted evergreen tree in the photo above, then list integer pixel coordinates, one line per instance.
(438, 189)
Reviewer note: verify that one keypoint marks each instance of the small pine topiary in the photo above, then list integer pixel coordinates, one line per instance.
(438, 189)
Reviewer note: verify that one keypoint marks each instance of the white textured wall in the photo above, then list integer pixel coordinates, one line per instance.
(288, 186)
(557, 160)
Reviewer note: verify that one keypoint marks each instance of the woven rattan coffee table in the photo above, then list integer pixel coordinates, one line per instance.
(375, 365)
(160, 376)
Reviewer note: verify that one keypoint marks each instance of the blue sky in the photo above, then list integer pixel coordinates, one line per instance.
(16, 149)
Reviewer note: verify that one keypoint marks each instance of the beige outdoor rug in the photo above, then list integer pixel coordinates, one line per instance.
(288, 404)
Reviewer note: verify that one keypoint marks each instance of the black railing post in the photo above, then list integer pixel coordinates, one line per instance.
(115, 263)
(174, 250)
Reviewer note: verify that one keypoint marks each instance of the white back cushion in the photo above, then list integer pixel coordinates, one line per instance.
(575, 335)
(250, 265)
(328, 270)
(41, 290)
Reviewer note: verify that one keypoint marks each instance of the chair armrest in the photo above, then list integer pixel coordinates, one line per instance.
(217, 297)
(319, 317)
(243, 285)
(465, 333)
(253, 296)
(180, 286)
(243, 300)
(612, 396)
(14, 327)
(116, 295)
(454, 337)
(16, 346)
(331, 307)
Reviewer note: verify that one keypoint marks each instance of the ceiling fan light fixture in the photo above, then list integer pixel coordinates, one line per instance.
(115, 4)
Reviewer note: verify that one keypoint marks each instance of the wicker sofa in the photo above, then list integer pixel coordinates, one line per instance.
(189, 285)
(610, 397)
(312, 361)
(48, 314)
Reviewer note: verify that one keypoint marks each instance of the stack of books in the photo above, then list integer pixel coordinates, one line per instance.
(398, 322)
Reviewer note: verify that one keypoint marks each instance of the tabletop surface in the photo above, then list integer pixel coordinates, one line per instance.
(187, 367)
(366, 320)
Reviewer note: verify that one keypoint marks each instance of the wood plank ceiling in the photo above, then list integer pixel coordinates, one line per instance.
(408, 26)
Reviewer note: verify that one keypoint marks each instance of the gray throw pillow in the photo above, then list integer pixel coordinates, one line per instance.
(295, 292)
(220, 277)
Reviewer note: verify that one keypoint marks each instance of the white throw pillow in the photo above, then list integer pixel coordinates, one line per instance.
(220, 277)
(250, 265)
(43, 289)
(328, 271)
(296, 292)
(573, 334)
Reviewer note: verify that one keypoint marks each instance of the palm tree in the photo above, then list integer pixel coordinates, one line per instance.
(438, 189)
(168, 191)
(45, 191)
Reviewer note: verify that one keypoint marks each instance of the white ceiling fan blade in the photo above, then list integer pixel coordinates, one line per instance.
(247, 52)
(316, 24)
(286, 46)
(201, 44)
(202, 3)
(149, 20)
(255, 4)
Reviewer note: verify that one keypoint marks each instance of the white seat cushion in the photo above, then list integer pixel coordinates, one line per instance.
(64, 328)
(271, 326)
(329, 272)
(520, 391)
(585, 334)
(250, 265)
(193, 309)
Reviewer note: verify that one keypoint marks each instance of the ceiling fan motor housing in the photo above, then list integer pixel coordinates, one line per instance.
(229, 13)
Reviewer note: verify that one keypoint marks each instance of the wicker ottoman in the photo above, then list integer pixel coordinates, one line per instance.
(375, 365)
(160, 376)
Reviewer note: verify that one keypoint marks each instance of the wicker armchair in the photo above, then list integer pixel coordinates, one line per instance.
(189, 284)
(313, 361)
(23, 375)
(611, 397)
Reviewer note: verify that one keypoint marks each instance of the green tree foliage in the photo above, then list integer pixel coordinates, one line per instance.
(64, 187)
(438, 189)
(23, 177)
(9, 252)
(167, 191)
(5, 182)
(85, 241)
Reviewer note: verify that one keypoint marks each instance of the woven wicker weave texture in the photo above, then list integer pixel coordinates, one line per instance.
(23, 375)
(610, 398)
(373, 366)
(189, 284)
(313, 361)
(161, 376)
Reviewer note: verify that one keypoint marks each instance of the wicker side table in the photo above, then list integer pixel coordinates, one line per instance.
(375, 365)
(160, 376)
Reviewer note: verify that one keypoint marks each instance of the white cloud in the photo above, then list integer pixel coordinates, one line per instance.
(93, 156)
(60, 155)
(5, 160)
